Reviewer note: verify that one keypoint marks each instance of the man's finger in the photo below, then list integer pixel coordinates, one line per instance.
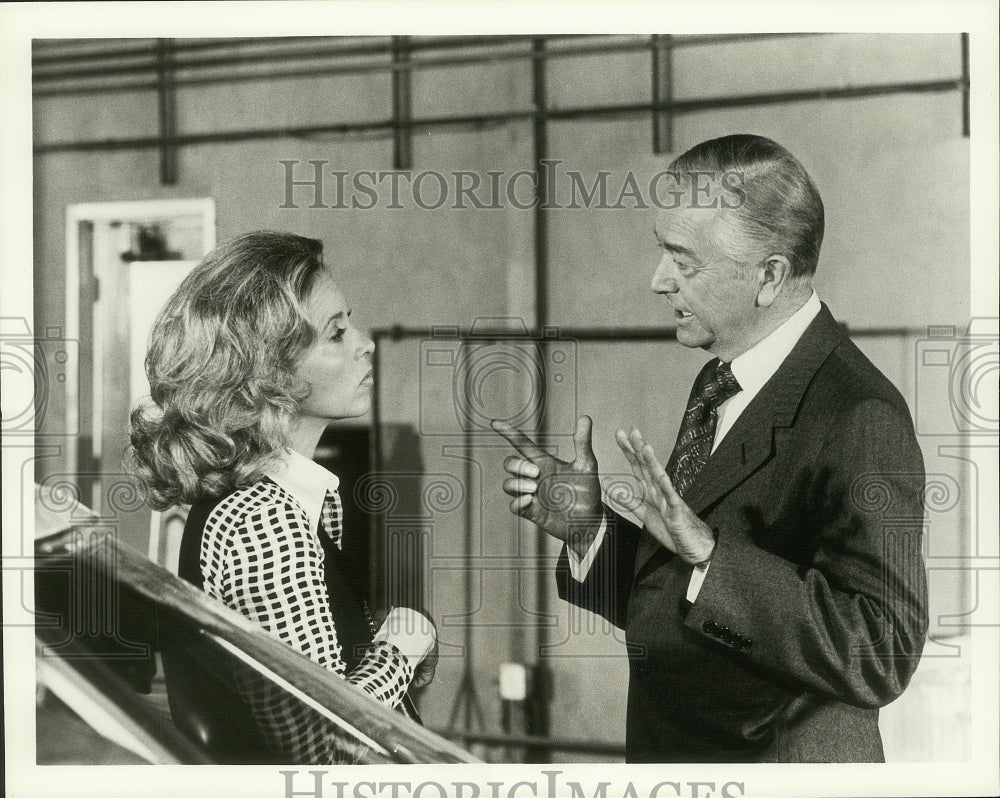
(635, 438)
(582, 443)
(515, 487)
(668, 490)
(519, 467)
(623, 443)
(521, 504)
(649, 457)
(518, 440)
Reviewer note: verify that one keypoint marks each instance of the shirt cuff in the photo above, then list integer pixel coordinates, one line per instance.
(409, 631)
(697, 580)
(579, 568)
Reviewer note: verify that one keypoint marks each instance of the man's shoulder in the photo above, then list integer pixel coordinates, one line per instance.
(856, 377)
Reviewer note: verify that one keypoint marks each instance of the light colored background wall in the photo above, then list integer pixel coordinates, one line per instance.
(893, 172)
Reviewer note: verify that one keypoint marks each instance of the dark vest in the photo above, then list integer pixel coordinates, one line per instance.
(202, 695)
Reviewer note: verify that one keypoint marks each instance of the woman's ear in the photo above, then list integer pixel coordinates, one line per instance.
(772, 274)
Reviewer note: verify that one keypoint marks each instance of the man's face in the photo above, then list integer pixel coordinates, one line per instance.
(712, 296)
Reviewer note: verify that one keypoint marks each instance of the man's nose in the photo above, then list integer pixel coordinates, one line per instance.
(664, 281)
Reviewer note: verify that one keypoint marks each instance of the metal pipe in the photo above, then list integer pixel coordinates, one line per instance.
(570, 50)
(43, 49)
(167, 108)
(402, 105)
(468, 672)
(438, 43)
(966, 105)
(373, 45)
(531, 741)
(383, 64)
(611, 334)
(663, 92)
(482, 120)
(376, 527)
(538, 704)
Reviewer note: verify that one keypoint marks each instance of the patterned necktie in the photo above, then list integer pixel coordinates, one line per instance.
(715, 384)
(331, 518)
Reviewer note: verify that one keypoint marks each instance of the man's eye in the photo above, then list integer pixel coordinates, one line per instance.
(339, 335)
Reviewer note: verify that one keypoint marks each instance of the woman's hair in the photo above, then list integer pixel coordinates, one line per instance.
(221, 362)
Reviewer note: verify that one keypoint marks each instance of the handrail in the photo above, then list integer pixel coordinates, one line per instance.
(404, 740)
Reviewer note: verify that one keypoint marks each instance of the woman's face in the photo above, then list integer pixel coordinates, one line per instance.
(338, 366)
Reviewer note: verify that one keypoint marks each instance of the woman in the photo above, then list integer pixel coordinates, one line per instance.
(248, 361)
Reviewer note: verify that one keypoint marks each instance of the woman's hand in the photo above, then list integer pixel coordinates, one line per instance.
(415, 635)
(426, 669)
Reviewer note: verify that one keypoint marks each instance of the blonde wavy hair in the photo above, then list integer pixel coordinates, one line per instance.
(221, 368)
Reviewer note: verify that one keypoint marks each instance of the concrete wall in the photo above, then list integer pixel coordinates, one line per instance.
(893, 172)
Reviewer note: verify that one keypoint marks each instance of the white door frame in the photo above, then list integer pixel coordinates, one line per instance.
(142, 211)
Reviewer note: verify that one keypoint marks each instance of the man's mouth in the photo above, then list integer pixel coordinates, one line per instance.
(682, 314)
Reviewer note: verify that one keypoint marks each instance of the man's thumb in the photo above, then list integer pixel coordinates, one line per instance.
(582, 442)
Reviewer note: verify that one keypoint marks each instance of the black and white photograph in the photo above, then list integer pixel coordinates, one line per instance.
(490, 400)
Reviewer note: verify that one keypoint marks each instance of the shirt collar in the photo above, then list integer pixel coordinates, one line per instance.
(307, 482)
(759, 363)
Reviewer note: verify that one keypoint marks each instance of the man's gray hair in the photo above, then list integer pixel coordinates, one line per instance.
(780, 209)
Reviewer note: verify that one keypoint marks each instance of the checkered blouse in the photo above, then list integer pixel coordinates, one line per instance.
(261, 555)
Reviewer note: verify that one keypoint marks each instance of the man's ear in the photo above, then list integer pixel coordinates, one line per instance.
(773, 273)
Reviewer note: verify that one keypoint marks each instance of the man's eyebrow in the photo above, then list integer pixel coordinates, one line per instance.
(675, 248)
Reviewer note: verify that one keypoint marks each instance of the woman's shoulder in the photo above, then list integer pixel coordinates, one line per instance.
(251, 505)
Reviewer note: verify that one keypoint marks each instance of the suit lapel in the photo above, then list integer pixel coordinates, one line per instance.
(750, 442)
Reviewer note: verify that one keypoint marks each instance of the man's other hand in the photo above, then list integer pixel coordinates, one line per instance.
(659, 506)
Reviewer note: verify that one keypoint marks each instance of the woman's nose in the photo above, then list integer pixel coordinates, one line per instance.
(366, 346)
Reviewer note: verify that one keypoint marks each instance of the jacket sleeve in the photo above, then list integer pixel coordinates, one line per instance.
(848, 620)
(606, 589)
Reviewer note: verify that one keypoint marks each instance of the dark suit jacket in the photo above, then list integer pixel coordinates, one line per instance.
(814, 610)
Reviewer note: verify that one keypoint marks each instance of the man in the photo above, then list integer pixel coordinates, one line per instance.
(774, 597)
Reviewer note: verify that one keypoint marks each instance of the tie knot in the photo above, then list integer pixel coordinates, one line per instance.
(719, 384)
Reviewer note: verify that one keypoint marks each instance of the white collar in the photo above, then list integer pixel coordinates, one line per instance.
(307, 482)
(759, 363)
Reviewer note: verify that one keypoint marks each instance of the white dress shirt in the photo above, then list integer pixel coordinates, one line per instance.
(752, 370)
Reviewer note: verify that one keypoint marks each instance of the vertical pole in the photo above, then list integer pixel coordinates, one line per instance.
(89, 287)
(377, 588)
(541, 146)
(538, 715)
(663, 93)
(469, 674)
(167, 107)
(966, 109)
(402, 104)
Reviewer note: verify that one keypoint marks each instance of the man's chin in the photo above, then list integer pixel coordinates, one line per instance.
(694, 339)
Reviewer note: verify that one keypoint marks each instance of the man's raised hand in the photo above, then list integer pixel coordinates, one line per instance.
(563, 498)
(664, 514)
